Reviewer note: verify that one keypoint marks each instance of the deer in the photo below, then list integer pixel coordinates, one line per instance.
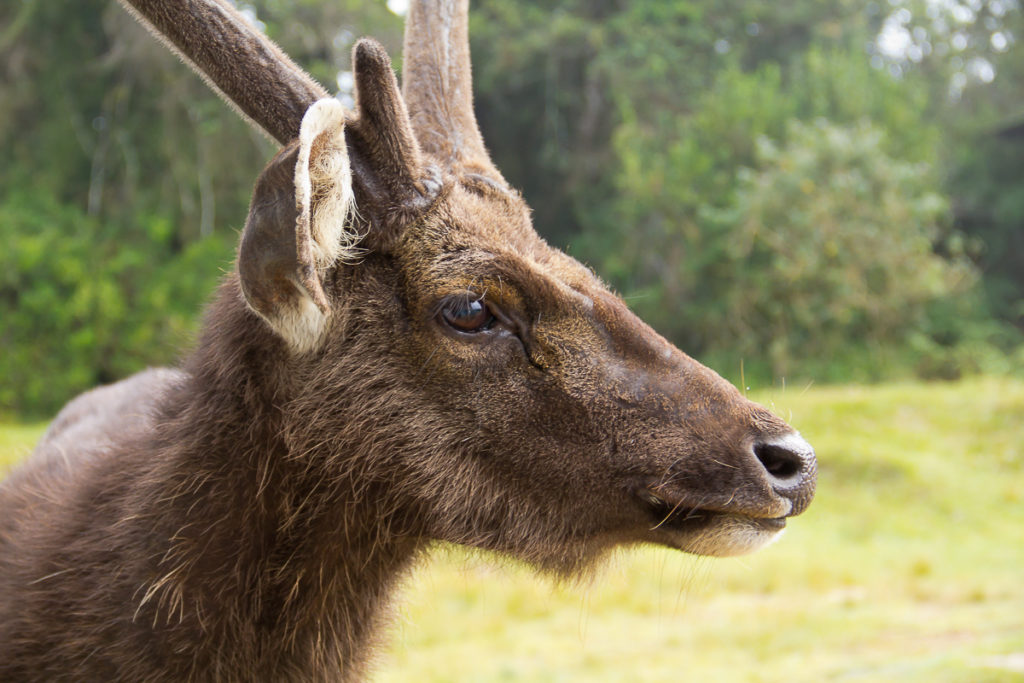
(396, 361)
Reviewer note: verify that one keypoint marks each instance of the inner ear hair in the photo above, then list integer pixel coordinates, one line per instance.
(323, 197)
(300, 226)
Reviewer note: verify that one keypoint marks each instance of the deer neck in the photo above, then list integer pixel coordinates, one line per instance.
(292, 567)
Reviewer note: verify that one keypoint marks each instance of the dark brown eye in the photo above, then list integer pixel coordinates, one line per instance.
(468, 315)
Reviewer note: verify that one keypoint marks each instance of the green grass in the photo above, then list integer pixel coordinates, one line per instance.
(16, 442)
(909, 566)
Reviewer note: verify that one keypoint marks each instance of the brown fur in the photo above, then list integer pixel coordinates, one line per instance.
(246, 518)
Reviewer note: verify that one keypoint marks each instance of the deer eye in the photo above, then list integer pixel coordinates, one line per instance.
(468, 315)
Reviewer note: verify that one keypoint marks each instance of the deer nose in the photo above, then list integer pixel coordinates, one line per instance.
(791, 468)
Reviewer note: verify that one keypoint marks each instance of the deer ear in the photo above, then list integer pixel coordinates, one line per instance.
(383, 121)
(299, 225)
(393, 184)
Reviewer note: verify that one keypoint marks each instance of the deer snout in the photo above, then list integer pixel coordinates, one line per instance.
(791, 468)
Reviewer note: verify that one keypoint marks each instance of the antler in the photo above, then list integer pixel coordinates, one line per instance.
(438, 85)
(249, 71)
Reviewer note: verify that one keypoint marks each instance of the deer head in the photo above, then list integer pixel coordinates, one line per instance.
(443, 355)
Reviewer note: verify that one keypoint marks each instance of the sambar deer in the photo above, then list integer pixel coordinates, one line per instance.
(398, 359)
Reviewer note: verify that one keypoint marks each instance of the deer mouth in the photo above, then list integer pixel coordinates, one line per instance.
(673, 515)
(703, 530)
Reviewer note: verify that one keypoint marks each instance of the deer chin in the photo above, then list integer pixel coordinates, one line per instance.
(703, 531)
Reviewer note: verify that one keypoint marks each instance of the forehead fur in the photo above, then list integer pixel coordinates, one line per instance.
(486, 230)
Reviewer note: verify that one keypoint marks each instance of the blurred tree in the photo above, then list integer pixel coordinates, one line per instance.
(104, 117)
(831, 244)
(80, 306)
(678, 175)
(989, 177)
(969, 54)
(562, 80)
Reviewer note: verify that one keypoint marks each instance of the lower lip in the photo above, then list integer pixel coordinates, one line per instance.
(772, 524)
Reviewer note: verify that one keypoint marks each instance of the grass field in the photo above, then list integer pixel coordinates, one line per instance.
(909, 566)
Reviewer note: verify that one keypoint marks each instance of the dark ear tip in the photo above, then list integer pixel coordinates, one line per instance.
(368, 53)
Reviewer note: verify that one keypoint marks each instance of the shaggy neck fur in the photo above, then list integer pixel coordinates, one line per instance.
(312, 555)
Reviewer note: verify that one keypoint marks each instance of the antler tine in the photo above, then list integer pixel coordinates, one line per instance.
(245, 67)
(438, 85)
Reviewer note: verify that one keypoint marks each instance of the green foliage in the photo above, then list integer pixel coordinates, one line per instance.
(990, 211)
(813, 250)
(83, 303)
(829, 241)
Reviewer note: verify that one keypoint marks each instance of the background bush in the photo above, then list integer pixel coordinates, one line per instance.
(831, 242)
(82, 306)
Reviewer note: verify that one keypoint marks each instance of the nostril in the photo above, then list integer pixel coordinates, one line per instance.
(780, 462)
(791, 468)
